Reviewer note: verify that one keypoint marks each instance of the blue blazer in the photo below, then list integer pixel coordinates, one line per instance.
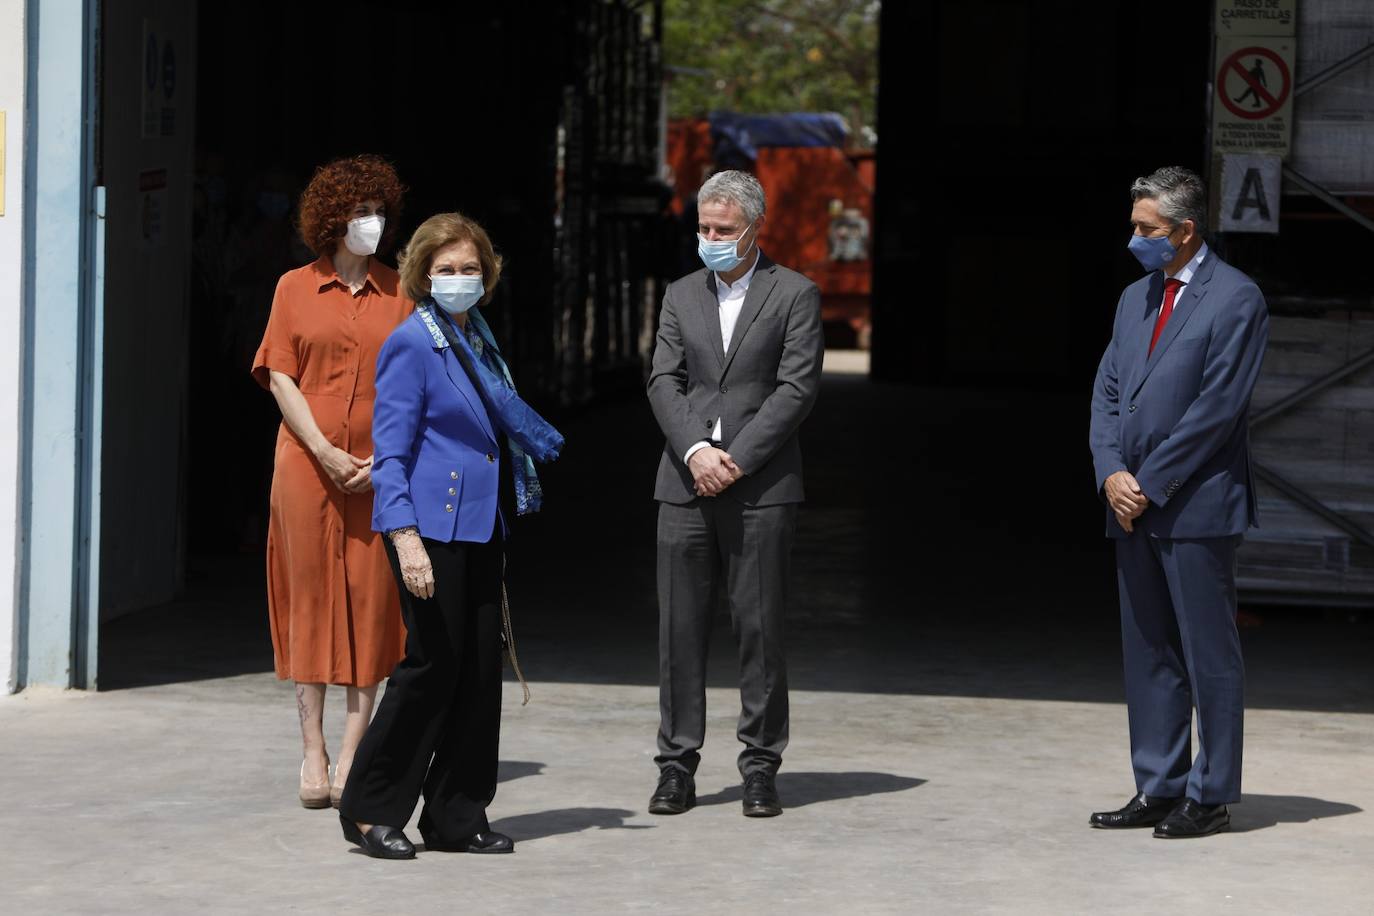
(436, 459)
(1177, 419)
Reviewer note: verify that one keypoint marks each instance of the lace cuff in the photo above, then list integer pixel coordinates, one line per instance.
(408, 529)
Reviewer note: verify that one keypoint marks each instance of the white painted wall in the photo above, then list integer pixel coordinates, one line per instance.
(12, 64)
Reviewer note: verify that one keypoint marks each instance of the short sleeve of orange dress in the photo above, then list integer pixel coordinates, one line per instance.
(332, 602)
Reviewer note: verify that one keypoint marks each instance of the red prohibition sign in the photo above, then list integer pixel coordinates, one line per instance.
(1271, 101)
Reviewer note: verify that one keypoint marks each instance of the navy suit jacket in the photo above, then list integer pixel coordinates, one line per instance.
(436, 461)
(1177, 419)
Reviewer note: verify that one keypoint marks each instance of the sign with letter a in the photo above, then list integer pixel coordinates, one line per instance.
(1249, 199)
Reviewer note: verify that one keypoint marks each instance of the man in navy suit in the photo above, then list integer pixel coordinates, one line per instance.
(1171, 448)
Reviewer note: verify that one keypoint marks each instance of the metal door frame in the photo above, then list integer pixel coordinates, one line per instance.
(62, 316)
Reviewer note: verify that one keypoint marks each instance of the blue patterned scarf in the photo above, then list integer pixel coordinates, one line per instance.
(529, 437)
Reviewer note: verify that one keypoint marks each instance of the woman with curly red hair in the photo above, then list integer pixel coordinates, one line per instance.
(332, 604)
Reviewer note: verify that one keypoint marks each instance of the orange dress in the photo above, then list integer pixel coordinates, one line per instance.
(331, 598)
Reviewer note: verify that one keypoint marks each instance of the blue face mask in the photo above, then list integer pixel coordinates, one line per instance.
(722, 256)
(1152, 253)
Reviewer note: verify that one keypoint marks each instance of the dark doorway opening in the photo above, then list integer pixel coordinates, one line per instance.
(543, 128)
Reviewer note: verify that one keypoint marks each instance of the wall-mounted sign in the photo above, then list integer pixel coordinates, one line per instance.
(1252, 107)
(1249, 198)
(1257, 17)
(1252, 88)
(158, 79)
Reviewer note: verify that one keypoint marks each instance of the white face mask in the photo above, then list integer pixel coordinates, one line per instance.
(457, 293)
(364, 233)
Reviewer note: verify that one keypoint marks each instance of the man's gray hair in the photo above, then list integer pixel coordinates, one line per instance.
(737, 187)
(1179, 193)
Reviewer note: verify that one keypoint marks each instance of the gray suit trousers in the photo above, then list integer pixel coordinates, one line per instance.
(706, 546)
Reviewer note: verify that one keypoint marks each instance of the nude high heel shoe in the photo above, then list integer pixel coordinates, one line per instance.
(317, 795)
(335, 789)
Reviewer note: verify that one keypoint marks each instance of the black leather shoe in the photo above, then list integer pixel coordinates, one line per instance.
(675, 794)
(1141, 811)
(380, 841)
(489, 843)
(761, 796)
(1191, 819)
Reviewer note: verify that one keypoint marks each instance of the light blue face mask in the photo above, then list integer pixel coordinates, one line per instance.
(456, 293)
(1152, 253)
(721, 256)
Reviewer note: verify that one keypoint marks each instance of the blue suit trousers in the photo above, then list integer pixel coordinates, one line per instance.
(1182, 652)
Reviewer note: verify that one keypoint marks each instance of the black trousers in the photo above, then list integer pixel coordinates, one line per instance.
(438, 726)
(708, 547)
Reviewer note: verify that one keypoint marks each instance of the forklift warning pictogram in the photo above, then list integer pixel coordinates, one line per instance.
(1253, 83)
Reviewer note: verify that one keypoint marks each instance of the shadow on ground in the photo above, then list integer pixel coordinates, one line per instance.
(937, 554)
(797, 790)
(561, 821)
(1256, 812)
(511, 770)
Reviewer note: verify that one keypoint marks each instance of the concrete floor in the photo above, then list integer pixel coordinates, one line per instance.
(180, 798)
(956, 715)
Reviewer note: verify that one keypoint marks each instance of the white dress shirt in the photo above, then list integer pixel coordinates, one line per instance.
(730, 298)
(1185, 276)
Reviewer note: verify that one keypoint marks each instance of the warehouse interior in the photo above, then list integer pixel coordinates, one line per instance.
(1003, 166)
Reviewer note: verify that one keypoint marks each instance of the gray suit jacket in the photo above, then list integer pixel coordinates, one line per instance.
(761, 390)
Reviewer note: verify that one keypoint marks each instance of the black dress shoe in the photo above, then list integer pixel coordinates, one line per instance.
(1191, 819)
(489, 843)
(676, 792)
(761, 796)
(380, 841)
(1141, 811)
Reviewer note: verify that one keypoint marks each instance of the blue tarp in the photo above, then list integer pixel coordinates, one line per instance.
(743, 135)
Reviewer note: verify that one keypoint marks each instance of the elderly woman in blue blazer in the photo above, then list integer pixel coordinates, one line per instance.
(447, 429)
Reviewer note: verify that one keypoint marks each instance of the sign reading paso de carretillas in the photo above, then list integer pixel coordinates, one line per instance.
(1253, 86)
(1257, 17)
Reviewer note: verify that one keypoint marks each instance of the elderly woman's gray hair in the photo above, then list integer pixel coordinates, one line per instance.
(1179, 193)
(737, 187)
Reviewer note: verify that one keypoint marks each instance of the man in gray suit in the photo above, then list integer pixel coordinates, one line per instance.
(736, 370)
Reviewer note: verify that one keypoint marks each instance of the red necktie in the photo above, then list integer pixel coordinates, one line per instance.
(1166, 309)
